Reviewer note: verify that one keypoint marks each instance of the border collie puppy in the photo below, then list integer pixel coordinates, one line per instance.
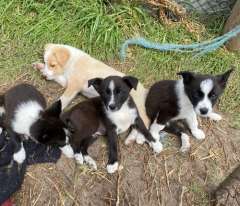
(195, 94)
(24, 111)
(113, 113)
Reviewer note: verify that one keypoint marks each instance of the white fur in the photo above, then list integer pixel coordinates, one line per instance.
(185, 143)
(62, 80)
(122, 118)
(111, 88)
(206, 87)
(111, 168)
(90, 161)
(89, 92)
(67, 150)
(157, 146)
(214, 116)
(187, 111)
(79, 158)
(1, 130)
(198, 134)
(2, 111)
(155, 128)
(25, 115)
(20, 156)
(140, 138)
(131, 137)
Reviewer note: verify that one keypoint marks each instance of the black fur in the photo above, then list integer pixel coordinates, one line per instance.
(162, 100)
(83, 121)
(48, 128)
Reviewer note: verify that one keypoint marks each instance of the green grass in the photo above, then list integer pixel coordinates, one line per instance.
(26, 25)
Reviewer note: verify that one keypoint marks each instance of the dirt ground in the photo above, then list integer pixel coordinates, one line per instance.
(168, 179)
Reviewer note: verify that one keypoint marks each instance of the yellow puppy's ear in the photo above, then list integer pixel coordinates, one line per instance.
(62, 55)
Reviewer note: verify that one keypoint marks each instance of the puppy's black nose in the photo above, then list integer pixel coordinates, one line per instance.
(112, 106)
(204, 110)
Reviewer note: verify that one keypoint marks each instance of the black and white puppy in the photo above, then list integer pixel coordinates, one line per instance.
(24, 110)
(112, 113)
(184, 99)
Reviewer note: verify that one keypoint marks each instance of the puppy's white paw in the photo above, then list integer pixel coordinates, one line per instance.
(68, 151)
(185, 143)
(79, 158)
(90, 161)
(215, 117)
(111, 168)
(131, 137)
(37, 65)
(140, 139)
(20, 156)
(198, 134)
(157, 146)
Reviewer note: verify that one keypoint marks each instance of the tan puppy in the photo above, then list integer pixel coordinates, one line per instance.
(72, 68)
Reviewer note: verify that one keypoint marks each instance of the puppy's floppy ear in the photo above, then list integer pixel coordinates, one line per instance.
(96, 82)
(61, 55)
(223, 78)
(54, 110)
(187, 76)
(131, 81)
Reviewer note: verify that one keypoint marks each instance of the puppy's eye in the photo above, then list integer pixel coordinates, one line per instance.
(212, 95)
(199, 93)
(108, 91)
(117, 91)
(52, 65)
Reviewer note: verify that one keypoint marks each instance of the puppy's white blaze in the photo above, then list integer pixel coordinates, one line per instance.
(185, 143)
(68, 151)
(25, 115)
(111, 87)
(90, 161)
(122, 118)
(206, 86)
(79, 158)
(111, 168)
(2, 111)
(20, 156)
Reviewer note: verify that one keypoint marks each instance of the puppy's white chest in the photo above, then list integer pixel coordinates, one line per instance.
(123, 118)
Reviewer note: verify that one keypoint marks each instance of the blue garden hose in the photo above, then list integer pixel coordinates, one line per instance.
(197, 48)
